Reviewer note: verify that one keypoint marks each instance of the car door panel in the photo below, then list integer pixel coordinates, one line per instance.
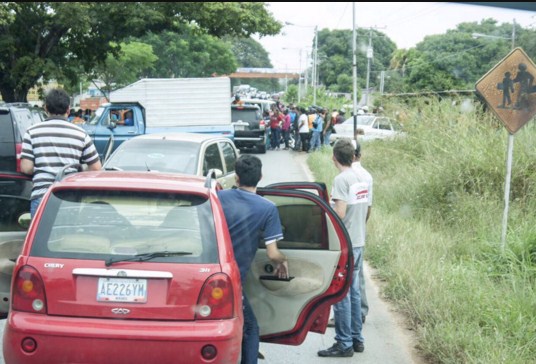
(319, 258)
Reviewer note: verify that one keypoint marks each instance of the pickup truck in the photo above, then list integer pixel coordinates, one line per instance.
(192, 105)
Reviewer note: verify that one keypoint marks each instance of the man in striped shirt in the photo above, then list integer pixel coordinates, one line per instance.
(53, 144)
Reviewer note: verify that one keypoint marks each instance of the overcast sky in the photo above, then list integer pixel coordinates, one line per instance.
(405, 23)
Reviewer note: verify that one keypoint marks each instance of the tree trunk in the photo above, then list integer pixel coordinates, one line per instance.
(8, 95)
(11, 95)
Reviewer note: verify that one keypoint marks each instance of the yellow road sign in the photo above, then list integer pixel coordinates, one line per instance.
(509, 89)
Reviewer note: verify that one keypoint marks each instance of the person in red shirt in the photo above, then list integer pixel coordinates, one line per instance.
(286, 128)
(276, 121)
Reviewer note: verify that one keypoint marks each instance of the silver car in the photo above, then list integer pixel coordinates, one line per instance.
(186, 153)
(373, 127)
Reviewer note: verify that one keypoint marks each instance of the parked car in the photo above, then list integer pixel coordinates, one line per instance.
(138, 267)
(15, 187)
(373, 126)
(249, 127)
(187, 153)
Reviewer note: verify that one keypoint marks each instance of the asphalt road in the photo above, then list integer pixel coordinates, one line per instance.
(387, 340)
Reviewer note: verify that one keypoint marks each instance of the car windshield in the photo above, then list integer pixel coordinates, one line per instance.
(245, 115)
(361, 120)
(116, 224)
(96, 116)
(155, 155)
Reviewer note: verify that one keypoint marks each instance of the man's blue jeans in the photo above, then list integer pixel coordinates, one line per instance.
(315, 141)
(276, 137)
(327, 135)
(34, 204)
(250, 336)
(348, 324)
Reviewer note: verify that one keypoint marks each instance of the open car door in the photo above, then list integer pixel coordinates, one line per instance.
(320, 260)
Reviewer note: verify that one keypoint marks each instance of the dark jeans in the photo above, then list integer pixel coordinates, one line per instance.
(34, 204)
(297, 140)
(276, 137)
(250, 336)
(286, 136)
(305, 141)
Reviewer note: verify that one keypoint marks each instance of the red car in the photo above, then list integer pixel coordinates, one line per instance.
(134, 267)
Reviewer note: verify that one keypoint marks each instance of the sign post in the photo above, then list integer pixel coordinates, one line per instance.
(510, 92)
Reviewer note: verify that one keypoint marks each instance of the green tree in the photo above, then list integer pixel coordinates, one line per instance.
(46, 39)
(457, 60)
(132, 62)
(335, 56)
(189, 54)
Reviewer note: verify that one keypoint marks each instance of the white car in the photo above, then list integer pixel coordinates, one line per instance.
(186, 153)
(373, 126)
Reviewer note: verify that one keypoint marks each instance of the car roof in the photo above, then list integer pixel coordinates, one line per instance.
(245, 106)
(190, 137)
(258, 101)
(130, 180)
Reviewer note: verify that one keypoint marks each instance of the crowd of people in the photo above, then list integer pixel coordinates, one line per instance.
(302, 129)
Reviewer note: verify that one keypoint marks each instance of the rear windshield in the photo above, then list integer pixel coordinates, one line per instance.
(156, 155)
(246, 115)
(120, 224)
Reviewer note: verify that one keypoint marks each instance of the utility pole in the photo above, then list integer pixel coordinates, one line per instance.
(305, 73)
(369, 58)
(354, 69)
(299, 80)
(315, 61)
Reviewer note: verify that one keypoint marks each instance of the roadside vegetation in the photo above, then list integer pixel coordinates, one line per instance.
(435, 230)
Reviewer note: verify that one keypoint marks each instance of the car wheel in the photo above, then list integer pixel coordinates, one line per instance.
(261, 148)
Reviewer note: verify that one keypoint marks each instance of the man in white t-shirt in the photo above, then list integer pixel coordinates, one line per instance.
(352, 198)
(303, 128)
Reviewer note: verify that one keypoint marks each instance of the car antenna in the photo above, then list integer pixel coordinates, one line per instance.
(147, 166)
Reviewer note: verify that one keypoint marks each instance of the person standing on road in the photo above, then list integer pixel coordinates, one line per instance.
(250, 216)
(303, 128)
(53, 144)
(328, 128)
(351, 193)
(276, 120)
(286, 128)
(318, 123)
(365, 175)
(294, 116)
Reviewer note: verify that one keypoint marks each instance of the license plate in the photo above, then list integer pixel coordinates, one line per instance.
(239, 127)
(122, 290)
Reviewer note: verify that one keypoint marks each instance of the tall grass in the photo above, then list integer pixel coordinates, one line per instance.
(435, 231)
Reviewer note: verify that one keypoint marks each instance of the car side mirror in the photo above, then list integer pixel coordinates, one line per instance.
(112, 125)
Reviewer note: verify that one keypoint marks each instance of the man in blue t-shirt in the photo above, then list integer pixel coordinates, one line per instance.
(251, 217)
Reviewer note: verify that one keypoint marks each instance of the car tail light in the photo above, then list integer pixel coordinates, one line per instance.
(29, 291)
(18, 152)
(216, 300)
(262, 125)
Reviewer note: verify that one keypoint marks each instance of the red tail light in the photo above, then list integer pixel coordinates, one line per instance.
(262, 125)
(216, 300)
(29, 291)
(18, 151)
